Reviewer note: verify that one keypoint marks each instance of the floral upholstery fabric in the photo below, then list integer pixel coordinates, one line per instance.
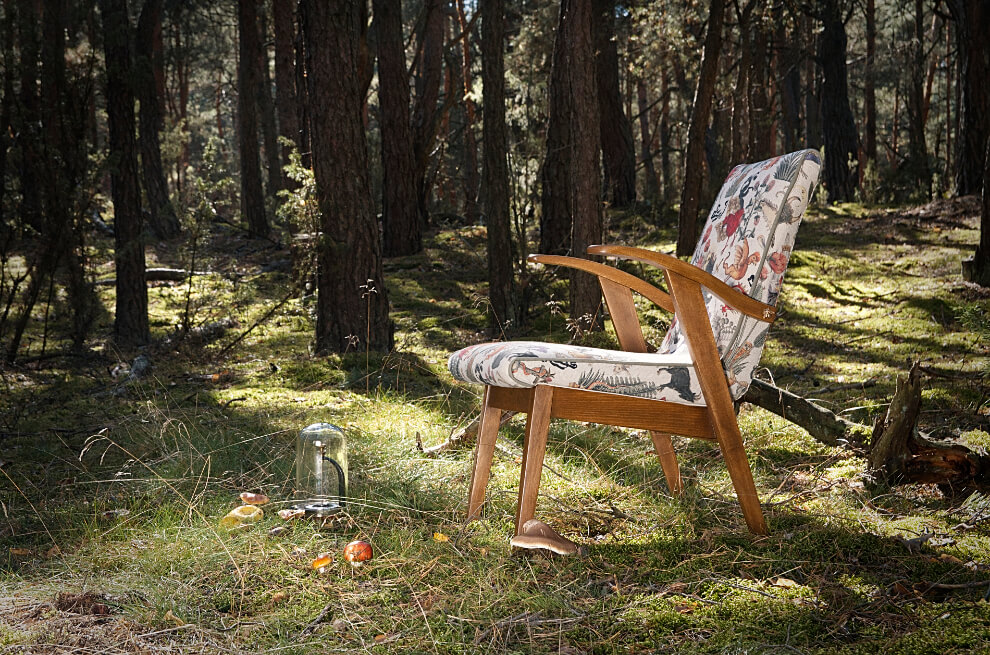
(528, 363)
(746, 242)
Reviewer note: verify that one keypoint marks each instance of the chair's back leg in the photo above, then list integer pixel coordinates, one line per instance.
(534, 449)
(668, 460)
(490, 420)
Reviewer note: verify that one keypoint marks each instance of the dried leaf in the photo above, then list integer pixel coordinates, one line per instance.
(950, 559)
(253, 499)
(20, 552)
(291, 514)
(169, 616)
(784, 583)
(279, 597)
(441, 537)
(684, 608)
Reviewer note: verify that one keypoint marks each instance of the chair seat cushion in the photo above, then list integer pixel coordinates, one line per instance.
(669, 377)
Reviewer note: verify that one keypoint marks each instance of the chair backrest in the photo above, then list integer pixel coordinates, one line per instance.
(747, 242)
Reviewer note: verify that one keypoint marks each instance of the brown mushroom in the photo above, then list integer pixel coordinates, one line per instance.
(537, 534)
(357, 552)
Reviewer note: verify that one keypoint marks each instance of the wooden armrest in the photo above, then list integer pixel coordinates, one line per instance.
(732, 297)
(645, 289)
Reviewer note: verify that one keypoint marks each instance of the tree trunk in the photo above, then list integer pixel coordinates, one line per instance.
(789, 80)
(665, 168)
(977, 268)
(248, 81)
(869, 83)
(618, 147)
(266, 109)
(426, 113)
(585, 182)
(28, 137)
(471, 183)
(162, 218)
(972, 19)
(131, 322)
(352, 304)
(917, 149)
(760, 110)
(651, 190)
(304, 143)
(501, 283)
(402, 224)
(286, 98)
(555, 200)
(694, 175)
(813, 87)
(839, 128)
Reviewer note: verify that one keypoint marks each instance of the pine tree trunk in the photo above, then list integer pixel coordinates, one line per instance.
(426, 114)
(869, 83)
(813, 87)
(28, 136)
(618, 147)
(471, 181)
(501, 283)
(248, 80)
(402, 225)
(977, 268)
(694, 176)
(917, 149)
(555, 200)
(286, 98)
(162, 219)
(266, 109)
(651, 190)
(352, 303)
(838, 126)
(972, 19)
(131, 322)
(586, 178)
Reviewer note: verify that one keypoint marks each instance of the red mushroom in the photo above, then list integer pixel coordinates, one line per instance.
(358, 552)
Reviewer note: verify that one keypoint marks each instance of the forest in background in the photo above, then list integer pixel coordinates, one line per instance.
(155, 119)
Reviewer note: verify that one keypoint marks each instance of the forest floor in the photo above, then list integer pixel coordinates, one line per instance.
(112, 491)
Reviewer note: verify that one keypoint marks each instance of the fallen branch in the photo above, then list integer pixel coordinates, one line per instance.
(822, 424)
(464, 437)
(261, 320)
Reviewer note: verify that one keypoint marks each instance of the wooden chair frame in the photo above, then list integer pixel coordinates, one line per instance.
(713, 421)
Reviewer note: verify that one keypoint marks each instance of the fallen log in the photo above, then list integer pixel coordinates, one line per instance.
(823, 424)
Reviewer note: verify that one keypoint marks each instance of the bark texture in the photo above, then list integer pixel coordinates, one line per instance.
(838, 126)
(131, 321)
(972, 24)
(585, 181)
(694, 173)
(352, 304)
(286, 98)
(401, 220)
(555, 200)
(248, 81)
(426, 110)
(149, 59)
(618, 147)
(501, 283)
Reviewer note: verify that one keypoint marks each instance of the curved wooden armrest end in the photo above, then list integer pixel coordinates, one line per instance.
(732, 297)
(657, 296)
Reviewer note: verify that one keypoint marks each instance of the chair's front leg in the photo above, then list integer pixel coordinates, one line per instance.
(689, 305)
(491, 418)
(534, 449)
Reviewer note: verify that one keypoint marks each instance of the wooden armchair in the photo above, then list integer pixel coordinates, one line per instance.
(723, 302)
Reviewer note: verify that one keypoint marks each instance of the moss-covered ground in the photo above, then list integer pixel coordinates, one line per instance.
(111, 491)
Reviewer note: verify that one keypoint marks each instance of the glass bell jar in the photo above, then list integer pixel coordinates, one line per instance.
(321, 469)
